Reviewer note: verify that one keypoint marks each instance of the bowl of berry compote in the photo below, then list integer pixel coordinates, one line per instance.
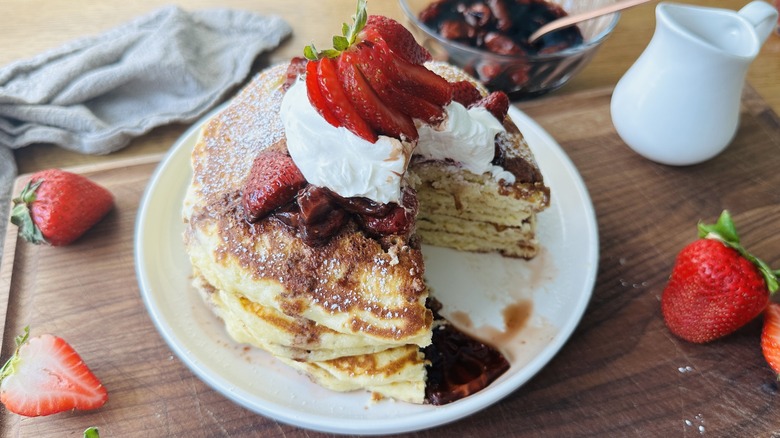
(489, 40)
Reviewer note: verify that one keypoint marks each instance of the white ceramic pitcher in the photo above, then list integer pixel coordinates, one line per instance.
(679, 103)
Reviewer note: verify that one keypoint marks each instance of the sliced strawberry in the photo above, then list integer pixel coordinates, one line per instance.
(372, 59)
(497, 103)
(382, 118)
(273, 181)
(397, 37)
(770, 336)
(339, 103)
(315, 95)
(46, 376)
(419, 81)
(465, 93)
(296, 68)
(391, 89)
(399, 220)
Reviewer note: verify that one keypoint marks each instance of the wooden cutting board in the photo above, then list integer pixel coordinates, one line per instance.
(621, 374)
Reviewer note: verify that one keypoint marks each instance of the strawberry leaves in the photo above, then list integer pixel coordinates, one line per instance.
(8, 367)
(348, 37)
(725, 231)
(91, 432)
(350, 33)
(20, 214)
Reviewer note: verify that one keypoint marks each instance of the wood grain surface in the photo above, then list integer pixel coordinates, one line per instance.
(620, 374)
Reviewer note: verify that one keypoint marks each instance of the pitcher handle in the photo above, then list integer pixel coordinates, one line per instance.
(762, 16)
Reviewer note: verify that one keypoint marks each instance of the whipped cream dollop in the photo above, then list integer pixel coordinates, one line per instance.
(335, 158)
(466, 136)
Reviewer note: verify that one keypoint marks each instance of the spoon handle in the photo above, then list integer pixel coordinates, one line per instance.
(576, 18)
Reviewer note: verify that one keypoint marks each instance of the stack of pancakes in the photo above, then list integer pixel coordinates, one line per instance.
(351, 314)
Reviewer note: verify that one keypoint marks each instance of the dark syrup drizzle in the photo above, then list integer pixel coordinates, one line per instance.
(460, 365)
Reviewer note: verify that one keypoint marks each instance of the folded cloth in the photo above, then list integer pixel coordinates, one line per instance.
(95, 94)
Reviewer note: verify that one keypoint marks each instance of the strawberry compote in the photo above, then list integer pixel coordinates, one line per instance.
(500, 26)
(490, 42)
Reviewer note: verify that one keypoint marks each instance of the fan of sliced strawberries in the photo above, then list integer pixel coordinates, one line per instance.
(373, 82)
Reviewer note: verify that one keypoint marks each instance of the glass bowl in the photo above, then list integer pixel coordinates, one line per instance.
(520, 76)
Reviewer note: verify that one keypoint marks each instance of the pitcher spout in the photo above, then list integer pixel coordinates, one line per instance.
(718, 31)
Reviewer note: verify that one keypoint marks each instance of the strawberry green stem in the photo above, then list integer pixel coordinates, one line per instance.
(725, 231)
(21, 217)
(8, 368)
(344, 41)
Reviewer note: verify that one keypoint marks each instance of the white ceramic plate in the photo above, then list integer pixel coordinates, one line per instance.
(558, 283)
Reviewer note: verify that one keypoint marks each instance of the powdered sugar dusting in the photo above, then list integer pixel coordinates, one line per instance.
(231, 139)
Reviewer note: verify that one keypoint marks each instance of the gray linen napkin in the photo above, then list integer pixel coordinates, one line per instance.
(95, 94)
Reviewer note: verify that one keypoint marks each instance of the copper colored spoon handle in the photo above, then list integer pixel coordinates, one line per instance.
(576, 18)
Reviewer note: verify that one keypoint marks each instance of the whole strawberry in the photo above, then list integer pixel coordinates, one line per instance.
(716, 286)
(46, 376)
(57, 207)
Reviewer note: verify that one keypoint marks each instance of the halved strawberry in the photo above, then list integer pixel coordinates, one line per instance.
(397, 37)
(770, 336)
(382, 118)
(315, 95)
(46, 376)
(465, 93)
(371, 59)
(273, 181)
(339, 103)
